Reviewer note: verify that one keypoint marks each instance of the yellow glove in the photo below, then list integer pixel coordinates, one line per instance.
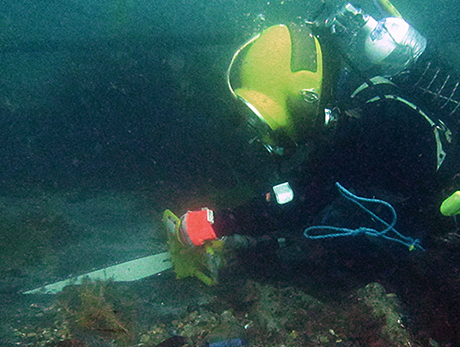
(451, 206)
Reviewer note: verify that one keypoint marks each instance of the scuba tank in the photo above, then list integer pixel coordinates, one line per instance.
(392, 48)
(373, 47)
(396, 52)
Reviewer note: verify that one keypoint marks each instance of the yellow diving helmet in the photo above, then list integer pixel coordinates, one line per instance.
(278, 75)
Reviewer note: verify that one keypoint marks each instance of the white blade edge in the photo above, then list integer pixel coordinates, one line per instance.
(125, 272)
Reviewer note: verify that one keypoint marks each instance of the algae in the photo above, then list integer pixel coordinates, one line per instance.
(101, 307)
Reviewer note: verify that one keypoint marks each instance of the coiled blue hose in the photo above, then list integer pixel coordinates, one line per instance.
(339, 232)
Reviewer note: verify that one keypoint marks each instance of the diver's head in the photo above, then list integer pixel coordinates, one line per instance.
(277, 77)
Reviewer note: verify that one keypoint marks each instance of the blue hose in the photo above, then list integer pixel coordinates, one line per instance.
(338, 232)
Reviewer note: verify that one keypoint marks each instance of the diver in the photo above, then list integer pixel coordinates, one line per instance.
(344, 102)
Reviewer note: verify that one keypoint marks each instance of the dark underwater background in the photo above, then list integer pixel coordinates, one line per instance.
(112, 111)
(122, 94)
